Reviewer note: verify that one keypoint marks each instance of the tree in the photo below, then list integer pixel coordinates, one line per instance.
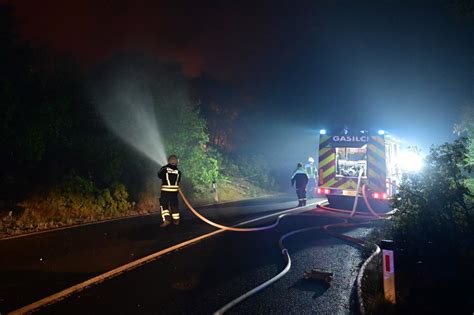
(146, 102)
(434, 228)
(466, 128)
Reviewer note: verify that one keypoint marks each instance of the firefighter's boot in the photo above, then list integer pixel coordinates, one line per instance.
(165, 223)
(165, 215)
(176, 218)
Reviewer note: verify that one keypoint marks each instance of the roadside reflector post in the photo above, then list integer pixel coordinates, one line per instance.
(214, 190)
(388, 270)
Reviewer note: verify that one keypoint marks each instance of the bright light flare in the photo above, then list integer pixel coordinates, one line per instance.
(322, 131)
(410, 161)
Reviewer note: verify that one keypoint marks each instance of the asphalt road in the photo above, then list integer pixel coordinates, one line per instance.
(197, 279)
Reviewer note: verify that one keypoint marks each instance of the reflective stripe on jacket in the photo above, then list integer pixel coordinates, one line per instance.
(170, 177)
(300, 178)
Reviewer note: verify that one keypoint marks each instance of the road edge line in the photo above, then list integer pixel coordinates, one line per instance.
(108, 275)
(136, 263)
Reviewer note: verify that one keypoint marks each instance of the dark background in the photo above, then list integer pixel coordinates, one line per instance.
(278, 71)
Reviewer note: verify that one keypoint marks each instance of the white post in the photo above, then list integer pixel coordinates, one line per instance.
(214, 189)
(388, 271)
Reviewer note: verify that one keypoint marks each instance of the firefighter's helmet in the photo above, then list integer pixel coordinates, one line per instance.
(310, 159)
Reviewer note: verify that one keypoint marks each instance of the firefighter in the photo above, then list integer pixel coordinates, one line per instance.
(312, 175)
(170, 177)
(300, 180)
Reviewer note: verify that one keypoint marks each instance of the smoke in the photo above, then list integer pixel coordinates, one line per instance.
(127, 109)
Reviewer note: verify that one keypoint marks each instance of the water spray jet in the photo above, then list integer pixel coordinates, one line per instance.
(129, 113)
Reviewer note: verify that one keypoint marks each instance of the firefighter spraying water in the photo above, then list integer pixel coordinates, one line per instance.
(171, 177)
(169, 205)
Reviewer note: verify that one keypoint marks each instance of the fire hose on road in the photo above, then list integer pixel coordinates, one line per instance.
(233, 228)
(284, 250)
(285, 253)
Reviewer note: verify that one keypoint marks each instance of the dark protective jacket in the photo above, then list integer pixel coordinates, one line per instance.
(170, 177)
(300, 178)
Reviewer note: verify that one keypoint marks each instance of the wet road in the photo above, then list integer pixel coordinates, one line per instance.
(197, 279)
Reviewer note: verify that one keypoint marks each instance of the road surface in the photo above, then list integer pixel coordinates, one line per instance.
(197, 279)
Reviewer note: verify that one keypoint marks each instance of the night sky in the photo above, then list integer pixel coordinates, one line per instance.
(403, 66)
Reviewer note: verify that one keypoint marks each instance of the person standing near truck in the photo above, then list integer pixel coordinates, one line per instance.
(299, 180)
(312, 175)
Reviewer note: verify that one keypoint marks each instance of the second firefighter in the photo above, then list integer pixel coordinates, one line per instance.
(300, 180)
(312, 176)
(170, 176)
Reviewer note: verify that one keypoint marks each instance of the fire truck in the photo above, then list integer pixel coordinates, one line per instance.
(350, 161)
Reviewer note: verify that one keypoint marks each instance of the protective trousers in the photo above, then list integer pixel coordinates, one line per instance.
(301, 193)
(311, 188)
(169, 205)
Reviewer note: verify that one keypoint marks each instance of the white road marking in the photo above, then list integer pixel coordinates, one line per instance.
(134, 264)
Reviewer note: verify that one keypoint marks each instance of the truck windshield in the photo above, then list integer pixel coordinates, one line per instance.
(350, 160)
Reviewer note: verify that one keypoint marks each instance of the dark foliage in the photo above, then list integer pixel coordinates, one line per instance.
(434, 233)
(52, 131)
